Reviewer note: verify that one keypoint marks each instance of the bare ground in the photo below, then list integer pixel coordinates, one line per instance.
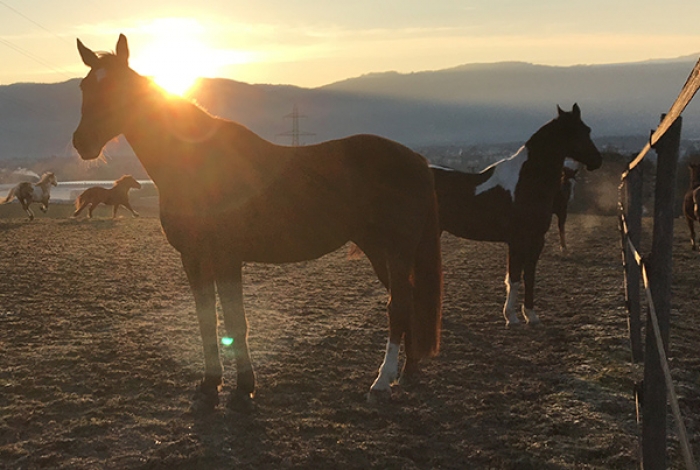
(100, 350)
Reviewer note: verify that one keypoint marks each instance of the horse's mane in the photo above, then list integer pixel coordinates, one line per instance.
(45, 176)
(122, 179)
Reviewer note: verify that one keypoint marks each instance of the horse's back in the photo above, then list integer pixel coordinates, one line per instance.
(280, 204)
(93, 195)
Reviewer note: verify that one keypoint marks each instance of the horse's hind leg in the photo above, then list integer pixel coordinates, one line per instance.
(691, 227)
(229, 283)
(201, 279)
(399, 311)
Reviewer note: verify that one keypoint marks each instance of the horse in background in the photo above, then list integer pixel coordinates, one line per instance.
(117, 195)
(691, 211)
(511, 201)
(28, 193)
(227, 196)
(562, 198)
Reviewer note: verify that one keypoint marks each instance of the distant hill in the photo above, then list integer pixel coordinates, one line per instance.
(471, 104)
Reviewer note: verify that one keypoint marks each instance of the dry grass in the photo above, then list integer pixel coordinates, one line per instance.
(99, 352)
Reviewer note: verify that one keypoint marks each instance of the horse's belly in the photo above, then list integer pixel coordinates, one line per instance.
(252, 241)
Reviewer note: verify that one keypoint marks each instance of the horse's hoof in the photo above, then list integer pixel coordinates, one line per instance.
(204, 402)
(241, 402)
(378, 396)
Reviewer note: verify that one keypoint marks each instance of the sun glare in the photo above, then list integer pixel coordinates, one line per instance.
(176, 55)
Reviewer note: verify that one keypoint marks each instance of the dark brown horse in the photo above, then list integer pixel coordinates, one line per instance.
(27, 193)
(228, 196)
(560, 207)
(690, 203)
(511, 201)
(117, 195)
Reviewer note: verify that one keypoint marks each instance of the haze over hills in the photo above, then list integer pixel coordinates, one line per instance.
(470, 104)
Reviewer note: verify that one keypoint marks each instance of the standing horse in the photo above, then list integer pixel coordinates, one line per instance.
(560, 207)
(228, 196)
(690, 203)
(28, 193)
(511, 201)
(117, 195)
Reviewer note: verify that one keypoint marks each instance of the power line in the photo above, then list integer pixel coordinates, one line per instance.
(32, 21)
(34, 57)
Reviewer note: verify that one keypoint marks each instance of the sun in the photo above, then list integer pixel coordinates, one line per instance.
(176, 55)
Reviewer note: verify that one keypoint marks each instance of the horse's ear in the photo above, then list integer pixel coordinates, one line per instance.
(123, 49)
(560, 111)
(89, 58)
(577, 111)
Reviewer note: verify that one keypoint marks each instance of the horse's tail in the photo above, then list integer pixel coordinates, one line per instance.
(427, 293)
(79, 200)
(10, 196)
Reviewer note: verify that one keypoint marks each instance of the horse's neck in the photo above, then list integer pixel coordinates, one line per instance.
(160, 126)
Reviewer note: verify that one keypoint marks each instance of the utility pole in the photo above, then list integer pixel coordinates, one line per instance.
(295, 133)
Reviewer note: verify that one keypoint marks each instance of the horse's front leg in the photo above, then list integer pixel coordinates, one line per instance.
(115, 208)
(514, 271)
(27, 209)
(561, 221)
(201, 279)
(529, 268)
(133, 212)
(229, 284)
(45, 206)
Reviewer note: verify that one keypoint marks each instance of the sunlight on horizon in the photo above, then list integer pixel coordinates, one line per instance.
(177, 54)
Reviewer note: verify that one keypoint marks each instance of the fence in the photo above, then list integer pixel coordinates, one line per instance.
(656, 275)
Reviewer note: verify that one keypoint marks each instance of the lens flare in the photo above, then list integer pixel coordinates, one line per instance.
(226, 341)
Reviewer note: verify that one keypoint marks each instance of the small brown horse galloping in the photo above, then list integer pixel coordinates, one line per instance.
(117, 195)
(691, 211)
(28, 193)
(227, 196)
(560, 208)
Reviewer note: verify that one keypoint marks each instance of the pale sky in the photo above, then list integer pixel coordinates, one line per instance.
(311, 43)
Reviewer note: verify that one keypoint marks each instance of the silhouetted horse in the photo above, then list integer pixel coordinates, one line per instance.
(511, 201)
(28, 193)
(562, 198)
(228, 196)
(117, 195)
(690, 203)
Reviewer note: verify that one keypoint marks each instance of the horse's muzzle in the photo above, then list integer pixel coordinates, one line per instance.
(86, 151)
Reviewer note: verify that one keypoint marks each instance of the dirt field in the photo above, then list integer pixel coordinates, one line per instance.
(100, 350)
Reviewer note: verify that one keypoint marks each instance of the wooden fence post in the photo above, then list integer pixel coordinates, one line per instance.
(633, 209)
(660, 264)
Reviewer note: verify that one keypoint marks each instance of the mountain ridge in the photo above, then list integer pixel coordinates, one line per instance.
(471, 103)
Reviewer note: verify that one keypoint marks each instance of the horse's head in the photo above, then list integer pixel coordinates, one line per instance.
(50, 178)
(128, 181)
(575, 138)
(108, 95)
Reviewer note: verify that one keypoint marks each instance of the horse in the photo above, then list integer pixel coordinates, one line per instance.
(117, 195)
(560, 207)
(511, 201)
(228, 196)
(28, 193)
(690, 203)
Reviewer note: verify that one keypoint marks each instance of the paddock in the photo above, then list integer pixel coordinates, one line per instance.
(99, 349)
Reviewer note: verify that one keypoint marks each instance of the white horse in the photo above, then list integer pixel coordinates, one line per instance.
(28, 193)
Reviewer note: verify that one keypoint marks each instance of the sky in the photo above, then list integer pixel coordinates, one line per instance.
(311, 43)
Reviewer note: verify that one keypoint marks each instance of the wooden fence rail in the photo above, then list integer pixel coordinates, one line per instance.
(656, 275)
